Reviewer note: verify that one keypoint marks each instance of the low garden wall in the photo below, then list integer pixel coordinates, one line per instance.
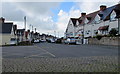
(105, 41)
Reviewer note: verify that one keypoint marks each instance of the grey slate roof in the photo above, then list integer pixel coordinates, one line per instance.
(74, 20)
(106, 12)
(6, 28)
(20, 32)
(105, 15)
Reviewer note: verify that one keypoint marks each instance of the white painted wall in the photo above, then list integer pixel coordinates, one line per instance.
(92, 27)
(5, 39)
(71, 29)
(113, 24)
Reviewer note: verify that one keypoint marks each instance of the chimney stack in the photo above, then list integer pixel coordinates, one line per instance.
(83, 14)
(103, 7)
(2, 20)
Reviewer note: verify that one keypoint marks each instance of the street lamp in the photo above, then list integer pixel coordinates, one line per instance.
(30, 26)
(25, 22)
(118, 24)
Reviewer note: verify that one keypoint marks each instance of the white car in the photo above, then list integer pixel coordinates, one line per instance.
(70, 41)
(13, 41)
(36, 41)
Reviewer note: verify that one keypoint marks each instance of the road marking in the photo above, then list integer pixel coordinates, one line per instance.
(45, 51)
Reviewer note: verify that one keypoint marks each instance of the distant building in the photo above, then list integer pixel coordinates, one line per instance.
(7, 33)
(20, 34)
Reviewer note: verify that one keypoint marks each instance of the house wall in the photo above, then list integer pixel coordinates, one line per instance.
(71, 29)
(92, 27)
(86, 29)
(5, 39)
(113, 24)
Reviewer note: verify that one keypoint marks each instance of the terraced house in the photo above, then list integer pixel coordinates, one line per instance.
(100, 22)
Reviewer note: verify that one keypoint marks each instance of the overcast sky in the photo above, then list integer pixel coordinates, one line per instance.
(48, 17)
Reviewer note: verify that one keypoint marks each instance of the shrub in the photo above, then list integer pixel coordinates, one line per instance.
(99, 37)
(113, 32)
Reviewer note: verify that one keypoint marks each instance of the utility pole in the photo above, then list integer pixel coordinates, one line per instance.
(118, 25)
(35, 30)
(118, 17)
(25, 22)
(58, 34)
(32, 27)
(55, 33)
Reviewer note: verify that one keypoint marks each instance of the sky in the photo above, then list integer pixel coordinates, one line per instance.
(48, 17)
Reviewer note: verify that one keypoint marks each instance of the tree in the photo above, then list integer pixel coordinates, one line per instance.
(113, 32)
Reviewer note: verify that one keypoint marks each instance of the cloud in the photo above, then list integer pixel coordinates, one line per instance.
(38, 14)
(91, 6)
(83, 6)
(63, 19)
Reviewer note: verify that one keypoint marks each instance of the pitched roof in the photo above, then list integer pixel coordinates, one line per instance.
(117, 10)
(106, 12)
(105, 15)
(74, 20)
(91, 16)
(20, 32)
(6, 28)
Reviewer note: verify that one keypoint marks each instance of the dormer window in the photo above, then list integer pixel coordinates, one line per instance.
(86, 21)
(97, 19)
(112, 16)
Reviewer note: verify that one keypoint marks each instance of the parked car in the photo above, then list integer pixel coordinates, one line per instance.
(13, 41)
(50, 40)
(70, 41)
(36, 41)
(58, 41)
(43, 40)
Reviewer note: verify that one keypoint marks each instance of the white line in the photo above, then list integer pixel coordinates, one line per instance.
(46, 51)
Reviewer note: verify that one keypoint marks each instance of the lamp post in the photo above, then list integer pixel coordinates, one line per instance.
(83, 34)
(118, 17)
(30, 26)
(119, 25)
(25, 22)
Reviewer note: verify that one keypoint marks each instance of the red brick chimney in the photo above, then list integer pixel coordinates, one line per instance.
(83, 14)
(2, 20)
(103, 7)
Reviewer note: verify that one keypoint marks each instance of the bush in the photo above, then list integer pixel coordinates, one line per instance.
(24, 43)
(113, 32)
(99, 37)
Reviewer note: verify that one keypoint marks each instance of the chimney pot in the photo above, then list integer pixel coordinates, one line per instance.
(83, 14)
(103, 7)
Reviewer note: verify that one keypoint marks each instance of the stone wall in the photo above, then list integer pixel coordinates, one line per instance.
(105, 41)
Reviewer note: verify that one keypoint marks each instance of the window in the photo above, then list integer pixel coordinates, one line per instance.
(112, 16)
(95, 31)
(86, 21)
(88, 32)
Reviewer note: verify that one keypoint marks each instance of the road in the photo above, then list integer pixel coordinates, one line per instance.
(58, 51)
(50, 57)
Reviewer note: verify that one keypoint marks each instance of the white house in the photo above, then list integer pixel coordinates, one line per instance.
(103, 21)
(100, 22)
(71, 28)
(7, 33)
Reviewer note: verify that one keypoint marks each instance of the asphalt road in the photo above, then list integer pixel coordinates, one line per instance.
(51, 50)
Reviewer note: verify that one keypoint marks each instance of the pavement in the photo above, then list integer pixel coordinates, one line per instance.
(50, 57)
